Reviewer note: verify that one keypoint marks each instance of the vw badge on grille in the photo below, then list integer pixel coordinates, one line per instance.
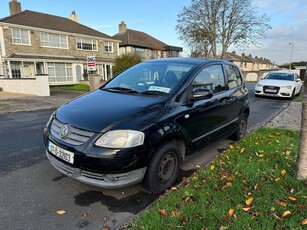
(64, 131)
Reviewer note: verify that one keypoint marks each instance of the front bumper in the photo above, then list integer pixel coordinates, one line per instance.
(103, 180)
(276, 92)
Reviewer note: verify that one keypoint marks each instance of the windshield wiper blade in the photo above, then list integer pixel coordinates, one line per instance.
(121, 89)
(154, 92)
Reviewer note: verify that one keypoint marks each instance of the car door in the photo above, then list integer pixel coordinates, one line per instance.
(203, 120)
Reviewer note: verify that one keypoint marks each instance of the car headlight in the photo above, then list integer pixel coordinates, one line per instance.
(287, 87)
(259, 85)
(121, 139)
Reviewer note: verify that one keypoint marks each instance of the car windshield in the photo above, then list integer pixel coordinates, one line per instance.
(280, 76)
(154, 78)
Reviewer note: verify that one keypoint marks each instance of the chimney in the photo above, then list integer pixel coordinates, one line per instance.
(74, 17)
(122, 27)
(15, 7)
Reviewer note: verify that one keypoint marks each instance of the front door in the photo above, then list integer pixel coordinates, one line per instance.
(205, 120)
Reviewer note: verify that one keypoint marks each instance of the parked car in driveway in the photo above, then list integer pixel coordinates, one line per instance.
(279, 84)
(143, 123)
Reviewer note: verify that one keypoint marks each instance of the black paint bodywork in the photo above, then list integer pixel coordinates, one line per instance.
(160, 118)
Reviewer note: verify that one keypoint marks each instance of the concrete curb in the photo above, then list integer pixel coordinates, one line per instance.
(302, 158)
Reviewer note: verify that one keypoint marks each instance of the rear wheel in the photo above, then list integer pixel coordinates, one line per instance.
(241, 128)
(163, 169)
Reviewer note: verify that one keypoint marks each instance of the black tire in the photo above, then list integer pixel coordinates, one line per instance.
(241, 128)
(293, 94)
(163, 169)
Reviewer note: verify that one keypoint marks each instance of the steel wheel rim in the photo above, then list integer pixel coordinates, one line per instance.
(167, 169)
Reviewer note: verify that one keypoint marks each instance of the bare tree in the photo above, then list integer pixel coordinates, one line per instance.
(210, 27)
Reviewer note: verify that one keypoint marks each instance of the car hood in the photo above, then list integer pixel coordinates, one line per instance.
(276, 82)
(102, 110)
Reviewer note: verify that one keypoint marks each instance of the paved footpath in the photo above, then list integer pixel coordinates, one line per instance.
(293, 117)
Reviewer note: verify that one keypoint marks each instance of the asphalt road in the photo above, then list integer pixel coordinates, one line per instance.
(32, 191)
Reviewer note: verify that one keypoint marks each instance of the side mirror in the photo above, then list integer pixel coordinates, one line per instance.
(298, 80)
(262, 78)
(201, 94)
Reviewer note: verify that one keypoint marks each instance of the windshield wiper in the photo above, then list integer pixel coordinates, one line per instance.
(121, 89)
(154, 92)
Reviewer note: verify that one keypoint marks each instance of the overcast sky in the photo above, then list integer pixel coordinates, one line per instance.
(159, 18)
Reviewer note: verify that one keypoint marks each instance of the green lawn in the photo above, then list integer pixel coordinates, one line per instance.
(77, 87)
(252, 185)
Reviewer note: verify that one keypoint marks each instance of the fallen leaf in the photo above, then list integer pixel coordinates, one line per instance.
(249, 201)
(212, 167)
(84, 214)
(283, 204)
(173, 188)
(286, 213)
(292, 198)
(304, 222)
(162, 212)
(199, 217)
(242, 150)
(246, 209)
(198, 166)
(228, 184)
(184, 222)
(231, 146)
(277, 141)
(61, 212)
(223, 228)
(175, 213)
(261, 155)
(105, 228)
(283, 172)
(277, 179)
(231, 212)
(277, 217)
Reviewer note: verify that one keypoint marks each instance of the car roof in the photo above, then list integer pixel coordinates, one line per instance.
(282, 71)
(196, 61)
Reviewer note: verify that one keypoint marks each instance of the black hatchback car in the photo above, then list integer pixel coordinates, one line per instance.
(143, 123)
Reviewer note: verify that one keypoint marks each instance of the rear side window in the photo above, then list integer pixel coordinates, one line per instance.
(212, 78)
(234, 76)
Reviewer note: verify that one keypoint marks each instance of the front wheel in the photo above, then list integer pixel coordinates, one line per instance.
(163, 169)
(241, 128)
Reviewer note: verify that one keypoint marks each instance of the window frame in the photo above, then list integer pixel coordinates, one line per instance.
(14, 39)
(59, 40)
(107, 46)
(93, 44)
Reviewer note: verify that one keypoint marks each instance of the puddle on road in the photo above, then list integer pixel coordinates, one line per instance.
(132, 204)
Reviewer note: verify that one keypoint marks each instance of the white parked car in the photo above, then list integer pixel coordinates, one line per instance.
(279, 84)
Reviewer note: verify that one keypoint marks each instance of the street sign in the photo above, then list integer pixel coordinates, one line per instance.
(91, 63)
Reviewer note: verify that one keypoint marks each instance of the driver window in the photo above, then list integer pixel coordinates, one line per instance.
(212, 78)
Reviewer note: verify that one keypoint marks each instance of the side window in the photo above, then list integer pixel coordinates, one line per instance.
(234, 76)
(212, 78)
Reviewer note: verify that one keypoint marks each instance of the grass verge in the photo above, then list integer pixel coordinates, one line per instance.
(252, 185)
(77, 87)
(300, 97)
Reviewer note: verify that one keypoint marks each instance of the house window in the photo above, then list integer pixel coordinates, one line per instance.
(60, 72)
(108, 47)
(20, 36)
(140, 52)
(86, 44)
(53, 40)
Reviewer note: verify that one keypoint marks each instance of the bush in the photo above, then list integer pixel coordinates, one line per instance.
(125, 61)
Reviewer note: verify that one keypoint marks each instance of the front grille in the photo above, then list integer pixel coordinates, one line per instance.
(271, 89)
(75, 136)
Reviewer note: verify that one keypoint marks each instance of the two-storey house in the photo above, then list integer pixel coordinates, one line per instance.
(148, 47)
(36, 43)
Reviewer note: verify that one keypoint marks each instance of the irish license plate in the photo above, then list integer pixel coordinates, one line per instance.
(61, 153)
(271, 90)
